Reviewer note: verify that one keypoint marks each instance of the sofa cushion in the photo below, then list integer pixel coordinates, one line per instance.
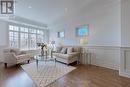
(64, 56)
(64, 51)
(74, 53)
(69, 50)
(60, 55)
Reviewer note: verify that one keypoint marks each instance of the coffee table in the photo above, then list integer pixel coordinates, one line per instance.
(44, 58)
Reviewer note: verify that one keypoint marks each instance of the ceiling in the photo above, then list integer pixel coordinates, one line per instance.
(48, 11)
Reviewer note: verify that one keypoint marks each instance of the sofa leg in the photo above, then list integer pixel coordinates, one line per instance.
(28, 61)
(5, 65)
(67, 64)
(77, 62)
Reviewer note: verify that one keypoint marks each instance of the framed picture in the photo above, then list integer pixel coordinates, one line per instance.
(82, 31)
(61, 34)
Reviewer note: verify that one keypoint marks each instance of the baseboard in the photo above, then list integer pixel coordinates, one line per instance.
(124, 74)
(113, 68)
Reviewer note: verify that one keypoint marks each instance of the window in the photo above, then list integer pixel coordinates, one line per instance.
(24, 40)
(82, 31)
(14, 39)
(24, 37)
(32, 41)
(32, 30)
(13, 36)
(22, 29)
(40, 37)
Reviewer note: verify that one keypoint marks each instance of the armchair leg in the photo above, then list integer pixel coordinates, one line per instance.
(5, 65)
(28, 61)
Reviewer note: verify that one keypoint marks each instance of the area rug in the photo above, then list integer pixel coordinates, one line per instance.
(46, 73)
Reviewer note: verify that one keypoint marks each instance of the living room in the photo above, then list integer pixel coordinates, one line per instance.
(65, 43)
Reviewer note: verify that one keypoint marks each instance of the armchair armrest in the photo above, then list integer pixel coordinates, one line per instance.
(10, 58)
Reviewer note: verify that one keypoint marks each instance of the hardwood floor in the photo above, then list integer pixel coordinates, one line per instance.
(83, 76)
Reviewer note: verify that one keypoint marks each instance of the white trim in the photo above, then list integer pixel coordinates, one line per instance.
(123, 70)
(19, 45)
(124, 74)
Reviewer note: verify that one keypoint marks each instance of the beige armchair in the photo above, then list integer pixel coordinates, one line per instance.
(14, 56)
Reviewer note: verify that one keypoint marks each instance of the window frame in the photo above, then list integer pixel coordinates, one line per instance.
(19, 36)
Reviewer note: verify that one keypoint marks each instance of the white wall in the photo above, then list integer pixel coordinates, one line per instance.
(104, 22)
(125, 33)
(105, 32)
(3, 37)
(3, 33)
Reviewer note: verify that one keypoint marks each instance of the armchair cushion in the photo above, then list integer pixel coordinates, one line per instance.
(21, 53)
(22, 56)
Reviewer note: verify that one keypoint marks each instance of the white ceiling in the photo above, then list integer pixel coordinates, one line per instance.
(48, 11)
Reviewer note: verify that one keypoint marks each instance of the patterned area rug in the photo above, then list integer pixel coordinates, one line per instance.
(47, 72)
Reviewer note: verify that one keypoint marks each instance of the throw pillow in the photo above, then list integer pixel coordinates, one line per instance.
(69, 50)
(64, 50)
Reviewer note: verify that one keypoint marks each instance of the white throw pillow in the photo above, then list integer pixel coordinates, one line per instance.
(64, 50)
(69, 50)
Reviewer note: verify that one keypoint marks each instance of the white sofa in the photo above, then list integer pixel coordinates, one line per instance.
(68, 57)
(14, 56)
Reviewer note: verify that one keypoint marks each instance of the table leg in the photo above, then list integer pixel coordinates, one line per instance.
(55, 61)
(37, 64)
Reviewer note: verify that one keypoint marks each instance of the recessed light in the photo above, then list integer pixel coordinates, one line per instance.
(66, 9)
(29, 6)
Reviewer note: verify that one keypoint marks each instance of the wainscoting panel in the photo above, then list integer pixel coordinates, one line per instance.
(125, 62)
(127, 59)
(103, 56)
